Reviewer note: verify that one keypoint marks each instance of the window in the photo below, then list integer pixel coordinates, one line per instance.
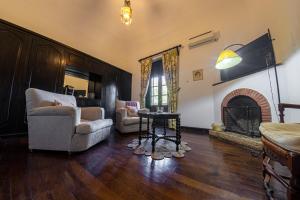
(164, 91)
(157, 94)
(154, 91)
(159, 91)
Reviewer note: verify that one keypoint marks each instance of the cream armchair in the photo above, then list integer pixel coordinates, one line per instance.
(125, 123)
(56, 123)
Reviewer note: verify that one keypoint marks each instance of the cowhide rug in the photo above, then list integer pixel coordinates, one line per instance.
(163, 149)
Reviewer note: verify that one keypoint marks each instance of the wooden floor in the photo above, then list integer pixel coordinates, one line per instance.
(212, 170)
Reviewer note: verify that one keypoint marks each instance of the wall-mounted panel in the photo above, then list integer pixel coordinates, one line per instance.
(28, 59)
(46, 66)
(14, 45)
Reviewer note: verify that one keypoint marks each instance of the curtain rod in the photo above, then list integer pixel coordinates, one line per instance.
(177, 47)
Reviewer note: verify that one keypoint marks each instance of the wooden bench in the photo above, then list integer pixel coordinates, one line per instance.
(282, 144)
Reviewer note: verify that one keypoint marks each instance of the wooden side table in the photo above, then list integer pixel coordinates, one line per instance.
(153, 135)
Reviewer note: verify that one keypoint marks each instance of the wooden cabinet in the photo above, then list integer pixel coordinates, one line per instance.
(77, 61)
(14, 46)
(110, 89)
(28, 59)
(46, 66)
(116, 83)
(74, 59)
(124, 80)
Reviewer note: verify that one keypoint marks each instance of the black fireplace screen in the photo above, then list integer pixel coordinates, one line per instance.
(242, 115)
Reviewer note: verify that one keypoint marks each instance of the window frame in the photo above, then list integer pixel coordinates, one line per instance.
(160, 94)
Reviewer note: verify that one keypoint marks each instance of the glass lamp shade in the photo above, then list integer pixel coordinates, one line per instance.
(126, 15)
(228, 59)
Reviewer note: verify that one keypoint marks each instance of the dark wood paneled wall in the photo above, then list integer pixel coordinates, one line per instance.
(28, 59)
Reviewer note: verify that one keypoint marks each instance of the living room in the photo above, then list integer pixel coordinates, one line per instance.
(144, 99)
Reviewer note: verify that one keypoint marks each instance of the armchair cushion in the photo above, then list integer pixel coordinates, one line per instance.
(286, 136)
(132, 111)
(87, 127)
(133, 120)
(92, 113)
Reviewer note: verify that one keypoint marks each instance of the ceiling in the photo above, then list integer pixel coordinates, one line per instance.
(94, 26)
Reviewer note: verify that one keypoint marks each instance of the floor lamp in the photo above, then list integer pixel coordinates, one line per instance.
(229, 58)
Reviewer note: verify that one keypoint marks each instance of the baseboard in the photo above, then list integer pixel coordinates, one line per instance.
(195, 130)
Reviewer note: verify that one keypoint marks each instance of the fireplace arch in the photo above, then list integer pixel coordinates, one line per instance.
(256, 96)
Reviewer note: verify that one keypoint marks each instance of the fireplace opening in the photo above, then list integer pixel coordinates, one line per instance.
(242, 115)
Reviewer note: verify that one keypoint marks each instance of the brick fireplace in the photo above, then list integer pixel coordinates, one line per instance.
(256, 96)
(261, 104)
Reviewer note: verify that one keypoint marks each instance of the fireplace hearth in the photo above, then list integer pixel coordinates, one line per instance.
(242, 115)
(243, 110)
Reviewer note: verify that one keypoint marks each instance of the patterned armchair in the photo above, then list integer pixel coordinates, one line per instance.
(126, 123)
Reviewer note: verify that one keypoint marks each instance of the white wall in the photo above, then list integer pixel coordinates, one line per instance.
(94, 27)
(284, 22)
(289, 81)
(238, 22)
(259, 82)
(195, 101)
(290, 86)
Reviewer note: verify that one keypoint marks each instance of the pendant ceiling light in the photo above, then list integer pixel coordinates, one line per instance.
(126, 13)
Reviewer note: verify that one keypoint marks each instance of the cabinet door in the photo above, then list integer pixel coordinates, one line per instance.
(14, 46)
(110, 88)
(46, 65)
(124, 85)
(77, 61)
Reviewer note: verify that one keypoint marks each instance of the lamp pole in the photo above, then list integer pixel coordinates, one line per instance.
(275, 68)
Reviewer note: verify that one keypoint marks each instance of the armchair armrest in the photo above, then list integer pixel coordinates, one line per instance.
(54, 111)
(92, 113)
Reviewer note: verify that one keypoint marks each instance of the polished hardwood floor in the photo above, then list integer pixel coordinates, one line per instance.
(212, 170)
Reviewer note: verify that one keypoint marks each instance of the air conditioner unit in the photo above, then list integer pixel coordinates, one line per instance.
(203, 39)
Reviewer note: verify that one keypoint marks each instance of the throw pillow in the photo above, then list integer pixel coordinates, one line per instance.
(46, 104)
(132, 111)
(57, 103)
(132, 103)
